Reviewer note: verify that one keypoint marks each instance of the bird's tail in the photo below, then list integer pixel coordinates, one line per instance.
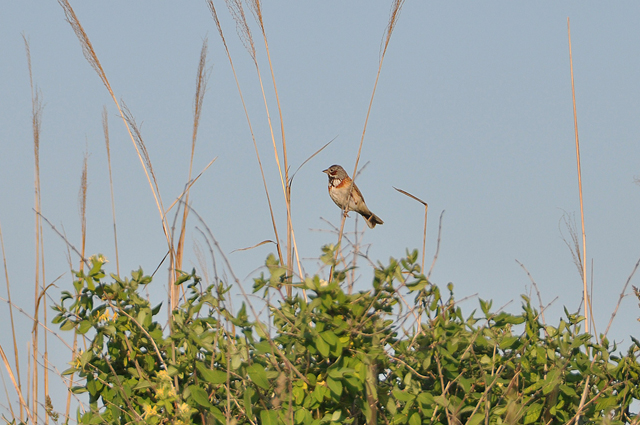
(372, 220)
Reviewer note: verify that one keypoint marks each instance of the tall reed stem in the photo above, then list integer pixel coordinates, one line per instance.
(587, 301)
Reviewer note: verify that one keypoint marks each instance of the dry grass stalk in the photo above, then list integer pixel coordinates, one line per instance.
(393, 20)
(201, 87)
(13, 328)
(36, 117)
(105, 127)
(256, 9)
(188, 185)
(23, 403)
(82, 205)
(127, 118)
(587, 304)
(284, 175)
(214, 14)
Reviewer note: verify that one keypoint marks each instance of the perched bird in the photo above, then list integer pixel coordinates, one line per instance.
(339, 186)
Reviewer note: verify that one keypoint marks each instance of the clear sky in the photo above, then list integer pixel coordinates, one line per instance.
(473, 114)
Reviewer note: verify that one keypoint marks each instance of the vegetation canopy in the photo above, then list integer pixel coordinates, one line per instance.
(397, 353)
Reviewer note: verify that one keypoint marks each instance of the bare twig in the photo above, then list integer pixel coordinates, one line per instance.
(533, 282)
(622, 295)
(424, 235)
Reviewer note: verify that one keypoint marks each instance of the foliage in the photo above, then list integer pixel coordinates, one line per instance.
(399, 353)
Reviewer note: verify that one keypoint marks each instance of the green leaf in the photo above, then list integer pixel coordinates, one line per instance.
(476, 419)
(532, 413)
(258, 375)
(211, 376)
(300, 415)
(67, 325)
(323, 347)
(568, 390)
(334, 386)
(261, 329)
(268, 417)
(508, 342)
(605, 403)
(182, 279)
(417, 285)
(236, 361)
(402, 395)
(415, 419)
(84, 326)
(78, 390)
(329, 337)
(441, 400)
(142, 385)
(200, 396)
(263, 347)
(248, 404)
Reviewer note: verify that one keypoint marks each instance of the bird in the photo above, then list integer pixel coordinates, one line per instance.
(339, 187)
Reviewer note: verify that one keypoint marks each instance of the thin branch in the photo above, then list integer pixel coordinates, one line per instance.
(622, 295)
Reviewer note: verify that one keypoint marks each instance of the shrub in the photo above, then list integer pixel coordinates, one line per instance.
(398, 353)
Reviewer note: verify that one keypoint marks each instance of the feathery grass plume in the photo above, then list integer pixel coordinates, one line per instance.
(201, 87)
(587, 304)
(396, 7)
(105, 128)
(214, 15)
(127, 118)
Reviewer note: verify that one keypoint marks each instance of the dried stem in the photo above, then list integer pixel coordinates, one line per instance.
(105, 127)
(587, 303)
(393, 19)
(249, 45)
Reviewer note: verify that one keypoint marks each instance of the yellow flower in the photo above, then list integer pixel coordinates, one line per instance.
(99, 257)
(150, 411)
(161, 392)
(183, 408)
(76, 362)
(172, 392)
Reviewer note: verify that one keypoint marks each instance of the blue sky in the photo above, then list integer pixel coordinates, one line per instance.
(473, 114)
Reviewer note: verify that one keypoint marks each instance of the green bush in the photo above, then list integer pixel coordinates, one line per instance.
(399, 353)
